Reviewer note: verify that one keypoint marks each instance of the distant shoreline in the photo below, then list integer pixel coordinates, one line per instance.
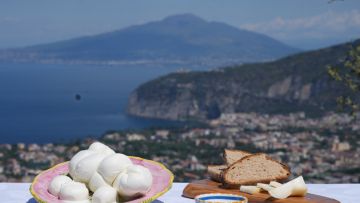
(319, 149)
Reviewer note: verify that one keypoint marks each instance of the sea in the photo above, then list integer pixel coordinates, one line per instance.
(42, 103)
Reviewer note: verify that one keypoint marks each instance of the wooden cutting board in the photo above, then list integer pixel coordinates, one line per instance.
(208, 186)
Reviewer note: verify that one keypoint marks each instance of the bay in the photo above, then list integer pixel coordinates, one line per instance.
(38, 102)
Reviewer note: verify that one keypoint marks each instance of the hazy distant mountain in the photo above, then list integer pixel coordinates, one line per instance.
(181, 38)
(291, 84)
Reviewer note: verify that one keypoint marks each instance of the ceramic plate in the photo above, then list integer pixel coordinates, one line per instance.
(162, 181)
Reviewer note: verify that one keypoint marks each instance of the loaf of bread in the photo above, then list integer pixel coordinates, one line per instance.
(252, 169)
(215, 172)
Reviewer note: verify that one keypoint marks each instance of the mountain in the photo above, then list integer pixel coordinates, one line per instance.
(295, 83)
(181, 38)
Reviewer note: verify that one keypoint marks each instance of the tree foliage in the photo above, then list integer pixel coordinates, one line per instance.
(348, 73)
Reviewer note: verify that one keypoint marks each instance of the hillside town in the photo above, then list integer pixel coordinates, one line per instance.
(323, 150)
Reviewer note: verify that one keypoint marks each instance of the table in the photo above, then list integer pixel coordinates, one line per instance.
(345, 193)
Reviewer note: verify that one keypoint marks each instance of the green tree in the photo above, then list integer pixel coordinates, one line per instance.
(348, 73)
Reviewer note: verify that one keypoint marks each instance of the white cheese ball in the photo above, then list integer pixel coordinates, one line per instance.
(74, 191)
(87, 167)
(76, 159)
(56, 183)
(96, 181)
(112, 166)
(134, 181)
(101, 148)
(105, 194)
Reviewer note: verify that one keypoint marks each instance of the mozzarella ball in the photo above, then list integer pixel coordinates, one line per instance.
(76, 159)
(101, 148)
(112, 166)
(87, 167)
(105, 194)
(56, 183)
(133, 181)
(96, 181)
(74, 191)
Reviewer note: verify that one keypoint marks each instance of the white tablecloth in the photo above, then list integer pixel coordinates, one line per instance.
(345, 193)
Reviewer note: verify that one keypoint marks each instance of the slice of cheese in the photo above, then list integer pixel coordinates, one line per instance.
(275, 184)
(265, 187)
(250, 189)
(296, 187)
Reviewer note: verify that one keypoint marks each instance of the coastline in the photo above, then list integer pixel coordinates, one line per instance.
(312, 147)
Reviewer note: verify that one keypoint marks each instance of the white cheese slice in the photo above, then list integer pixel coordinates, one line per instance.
(265, 187)
(296, 187)
(275, 184)
(250, 189)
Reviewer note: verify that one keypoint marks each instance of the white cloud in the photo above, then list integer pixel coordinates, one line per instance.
(323, 26)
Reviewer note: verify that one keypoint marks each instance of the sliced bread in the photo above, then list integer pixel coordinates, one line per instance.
(256, 168)
(215, 172)
(232, 156)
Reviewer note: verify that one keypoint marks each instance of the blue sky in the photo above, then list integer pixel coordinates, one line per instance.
(302, 23)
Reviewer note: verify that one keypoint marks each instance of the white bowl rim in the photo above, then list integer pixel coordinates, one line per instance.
(198, 197)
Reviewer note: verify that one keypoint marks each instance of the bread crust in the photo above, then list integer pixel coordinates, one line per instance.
(230, 184)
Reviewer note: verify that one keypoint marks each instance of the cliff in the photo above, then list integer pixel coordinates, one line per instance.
(295, 83)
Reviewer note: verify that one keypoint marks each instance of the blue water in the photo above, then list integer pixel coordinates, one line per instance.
(38, 105)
